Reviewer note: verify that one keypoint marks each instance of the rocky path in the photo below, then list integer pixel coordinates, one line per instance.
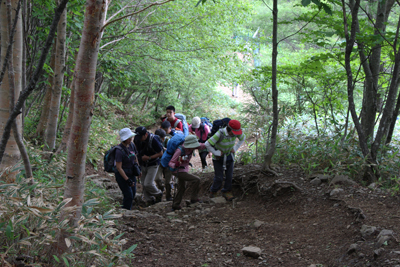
(290, 220)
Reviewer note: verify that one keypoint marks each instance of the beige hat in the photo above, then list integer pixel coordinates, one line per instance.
(191, 141)
(196, 122)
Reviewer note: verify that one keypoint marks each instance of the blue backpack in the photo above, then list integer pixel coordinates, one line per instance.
(205, 120)
(172, 145)
(182, 118)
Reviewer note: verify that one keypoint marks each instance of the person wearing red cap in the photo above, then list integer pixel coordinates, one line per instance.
(222, 146)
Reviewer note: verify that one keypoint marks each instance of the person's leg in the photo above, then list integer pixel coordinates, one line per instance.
(145, 195)
(167, 176)
(181, 190)
(149, 185)
(194, 182)
(228, 177)
(218, 176)
(127, 192)
(159, 178)
(203, 157)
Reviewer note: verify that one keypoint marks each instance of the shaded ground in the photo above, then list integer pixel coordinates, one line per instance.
(293, 222)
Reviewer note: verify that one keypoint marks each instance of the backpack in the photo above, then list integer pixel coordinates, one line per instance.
(205, 120)
(182, 118)
(109, 158)
(172, 145)
(218, 124)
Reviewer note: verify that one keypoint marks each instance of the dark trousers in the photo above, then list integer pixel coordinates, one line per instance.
(127, 191)
(219, 175)
(184, 177)
(203, 157)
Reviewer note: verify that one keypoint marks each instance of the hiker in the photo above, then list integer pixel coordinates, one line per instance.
(150, 151)
(222, 146)
(162, 171)
(179, 164)
(201, 130)
(124, 160)
(175, 122)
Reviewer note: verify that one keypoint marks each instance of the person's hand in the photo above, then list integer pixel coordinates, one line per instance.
(209, 154)
(130, 182)
(145, 158)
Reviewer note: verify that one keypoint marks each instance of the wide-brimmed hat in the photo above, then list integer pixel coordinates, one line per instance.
(196, 122)
(141, 130)
(125, 134)
(235, 126)
(191, 142)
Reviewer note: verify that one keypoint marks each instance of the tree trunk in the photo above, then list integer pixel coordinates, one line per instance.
(371, 68)
(11, 154)
(271, 146)
(84, 83)
(51, 129)
(44, 116)
(6, 130)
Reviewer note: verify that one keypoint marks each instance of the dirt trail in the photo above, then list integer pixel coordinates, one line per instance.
(296, 225)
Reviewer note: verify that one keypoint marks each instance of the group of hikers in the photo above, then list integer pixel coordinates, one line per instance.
(156, 158)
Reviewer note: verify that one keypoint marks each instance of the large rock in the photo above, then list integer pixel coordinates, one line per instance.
(252, 251)
(384, 236)
(367, 230)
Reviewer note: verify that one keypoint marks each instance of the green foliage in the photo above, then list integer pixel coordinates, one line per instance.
(31, 224)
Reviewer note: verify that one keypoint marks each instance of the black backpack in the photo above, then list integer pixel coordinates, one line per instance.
(218, 124)
(109, 158)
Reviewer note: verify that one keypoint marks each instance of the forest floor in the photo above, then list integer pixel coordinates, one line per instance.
(289, 220)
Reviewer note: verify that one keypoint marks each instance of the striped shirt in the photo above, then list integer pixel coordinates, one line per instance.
(227, 143)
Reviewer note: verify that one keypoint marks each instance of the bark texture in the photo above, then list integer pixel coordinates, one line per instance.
(11, 154)
(84, 84)
(59, 66)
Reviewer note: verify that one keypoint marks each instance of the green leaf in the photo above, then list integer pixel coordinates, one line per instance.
(305, 2)
(56, 258)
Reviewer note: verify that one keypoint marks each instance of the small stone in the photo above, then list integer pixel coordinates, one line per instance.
(316, 181)
(192, 227)
(257, 223)
(218, 200)
(176, 221)
(336, 192)
(378, 252)
(252, 251)
(353, 248)
(171, 213)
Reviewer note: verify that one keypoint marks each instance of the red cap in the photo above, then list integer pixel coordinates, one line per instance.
(235, 126)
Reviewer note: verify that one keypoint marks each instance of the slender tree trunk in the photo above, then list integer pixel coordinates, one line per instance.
(84, 83)
(67, 128)
(12, 153)
(6, 131)
(271, 146)
(51, 130)
(44, 116)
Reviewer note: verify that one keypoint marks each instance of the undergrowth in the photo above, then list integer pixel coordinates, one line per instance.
(327, 153)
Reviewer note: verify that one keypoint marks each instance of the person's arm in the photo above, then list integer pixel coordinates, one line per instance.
(180, 126)
(242, 138)
(121, 171)
(211, 149)
(174, 162)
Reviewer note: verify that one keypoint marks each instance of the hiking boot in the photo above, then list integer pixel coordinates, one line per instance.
(151, 202)
(228, 196)
(174, 208)
(158, 197)
(169, 199)
(213, 194)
